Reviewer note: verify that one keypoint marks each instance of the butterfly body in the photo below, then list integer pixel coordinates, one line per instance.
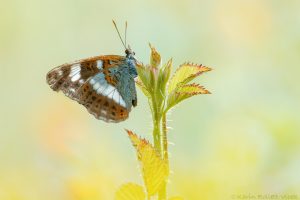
(103, 84)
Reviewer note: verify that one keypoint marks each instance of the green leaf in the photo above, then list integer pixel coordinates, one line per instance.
(184, 74)
(143, 88)
(144, 76)
(154, 169)
(183, 92)
(155, 58)
(161, 83)
(153, 78)
(130, 191)
(164, 75)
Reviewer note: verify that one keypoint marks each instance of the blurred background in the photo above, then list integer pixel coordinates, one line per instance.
(244, 138)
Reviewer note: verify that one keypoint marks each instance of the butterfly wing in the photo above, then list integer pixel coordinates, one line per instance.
(126, 87)
(94, 83)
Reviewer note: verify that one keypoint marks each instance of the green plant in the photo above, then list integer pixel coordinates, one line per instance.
(163, 93)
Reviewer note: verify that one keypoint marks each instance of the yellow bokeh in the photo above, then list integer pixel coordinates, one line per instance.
(242, 139)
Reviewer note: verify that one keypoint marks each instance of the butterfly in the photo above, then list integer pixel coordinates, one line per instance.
(103, 84)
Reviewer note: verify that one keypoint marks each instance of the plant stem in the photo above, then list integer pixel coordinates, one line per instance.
(157, 135)
(156, 126)
(160, 141)
(165, 139)
(162, 195)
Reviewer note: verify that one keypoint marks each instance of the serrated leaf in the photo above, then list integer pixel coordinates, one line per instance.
(154, 169)
(145, 91)
(176, 198)
(144, 75)
(130, 191)
(143, 88)
(184, 74)
(155, 58)
(183, 92)
(161, 83)
(164, 75)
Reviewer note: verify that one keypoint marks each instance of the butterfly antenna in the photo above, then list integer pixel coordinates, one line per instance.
(125, 33)
(119, 33)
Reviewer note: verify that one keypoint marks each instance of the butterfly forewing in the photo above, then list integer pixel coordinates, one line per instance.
(93, 83)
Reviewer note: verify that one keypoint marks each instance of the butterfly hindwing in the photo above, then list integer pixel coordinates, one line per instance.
(102, 84)
(126, 87)
(103, 100)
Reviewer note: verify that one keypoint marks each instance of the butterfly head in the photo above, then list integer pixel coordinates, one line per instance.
(129, 53)
(131, 60)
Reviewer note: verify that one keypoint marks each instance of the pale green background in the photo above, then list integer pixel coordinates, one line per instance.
(242, 139)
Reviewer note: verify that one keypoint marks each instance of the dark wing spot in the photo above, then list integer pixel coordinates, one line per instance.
(106, 104)
(86, 88)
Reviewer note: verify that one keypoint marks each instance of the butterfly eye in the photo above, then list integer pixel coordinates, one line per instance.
(133, 53)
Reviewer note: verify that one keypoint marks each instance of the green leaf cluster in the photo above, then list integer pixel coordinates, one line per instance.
(156, 83)
(163, 92)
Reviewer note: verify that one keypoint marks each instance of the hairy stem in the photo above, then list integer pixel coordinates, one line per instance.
(156, 126)
(165, 139)
(160, 141)
(157, 135)
(162, 195)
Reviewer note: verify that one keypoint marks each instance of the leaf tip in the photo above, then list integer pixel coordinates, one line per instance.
(129, 132)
